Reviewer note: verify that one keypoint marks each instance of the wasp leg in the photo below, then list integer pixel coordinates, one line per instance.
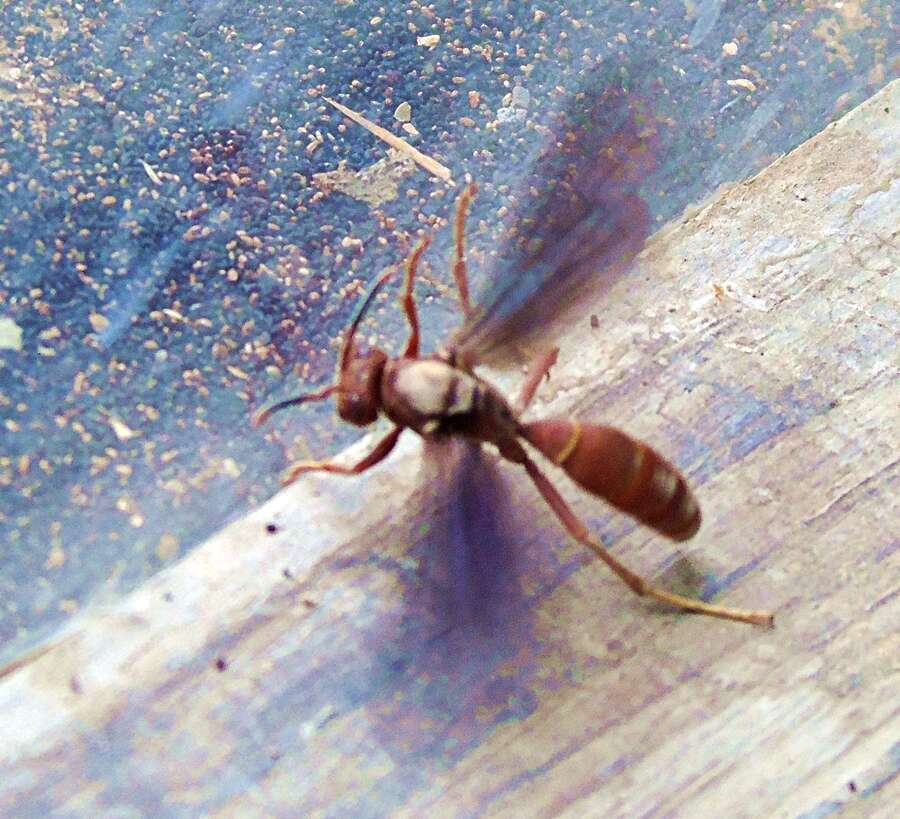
(459, 263)
(409, 303)
(381, 451)
(634, 582)
(538, 368)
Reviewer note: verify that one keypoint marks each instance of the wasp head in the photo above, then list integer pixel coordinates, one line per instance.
(359, 393)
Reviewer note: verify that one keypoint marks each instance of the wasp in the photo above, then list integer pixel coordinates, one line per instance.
(592, 220)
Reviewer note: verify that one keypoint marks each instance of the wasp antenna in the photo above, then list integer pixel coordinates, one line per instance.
(263, 415)
(347, 349)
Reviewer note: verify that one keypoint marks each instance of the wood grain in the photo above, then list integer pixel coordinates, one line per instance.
(336, 666)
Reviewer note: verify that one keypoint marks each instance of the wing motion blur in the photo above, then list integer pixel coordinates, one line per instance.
(579, 220)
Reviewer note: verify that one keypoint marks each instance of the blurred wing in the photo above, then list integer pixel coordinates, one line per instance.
(468, 554)
(579, 220)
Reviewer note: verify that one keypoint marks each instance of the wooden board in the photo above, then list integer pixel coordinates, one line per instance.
(322, 657)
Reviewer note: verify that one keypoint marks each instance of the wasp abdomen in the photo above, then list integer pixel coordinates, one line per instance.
(625, 472)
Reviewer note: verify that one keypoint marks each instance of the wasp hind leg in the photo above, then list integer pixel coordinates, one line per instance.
(634, 581)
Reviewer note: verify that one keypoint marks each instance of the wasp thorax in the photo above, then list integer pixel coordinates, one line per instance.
(359, 398)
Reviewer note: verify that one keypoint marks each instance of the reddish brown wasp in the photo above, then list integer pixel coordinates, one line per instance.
(592, 220)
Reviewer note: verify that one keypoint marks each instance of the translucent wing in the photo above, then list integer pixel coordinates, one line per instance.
(468, 555)
(579, 216)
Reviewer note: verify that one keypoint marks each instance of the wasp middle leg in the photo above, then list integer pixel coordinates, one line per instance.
(537, 370)
(459, 233)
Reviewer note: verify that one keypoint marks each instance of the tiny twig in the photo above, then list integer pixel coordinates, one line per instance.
(429, 164)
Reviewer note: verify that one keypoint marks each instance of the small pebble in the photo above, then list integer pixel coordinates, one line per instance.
(520, 97)
(510, 115)
(747, 85)
(403, 112)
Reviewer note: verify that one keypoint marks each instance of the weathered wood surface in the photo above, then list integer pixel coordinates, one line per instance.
(757, 346)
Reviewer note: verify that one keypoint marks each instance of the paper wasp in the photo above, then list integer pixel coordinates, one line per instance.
(590, 221)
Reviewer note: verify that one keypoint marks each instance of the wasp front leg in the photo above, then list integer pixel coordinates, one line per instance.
(381, 451)
(409, 303)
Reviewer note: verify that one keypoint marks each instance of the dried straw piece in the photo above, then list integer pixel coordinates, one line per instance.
(431, 165)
